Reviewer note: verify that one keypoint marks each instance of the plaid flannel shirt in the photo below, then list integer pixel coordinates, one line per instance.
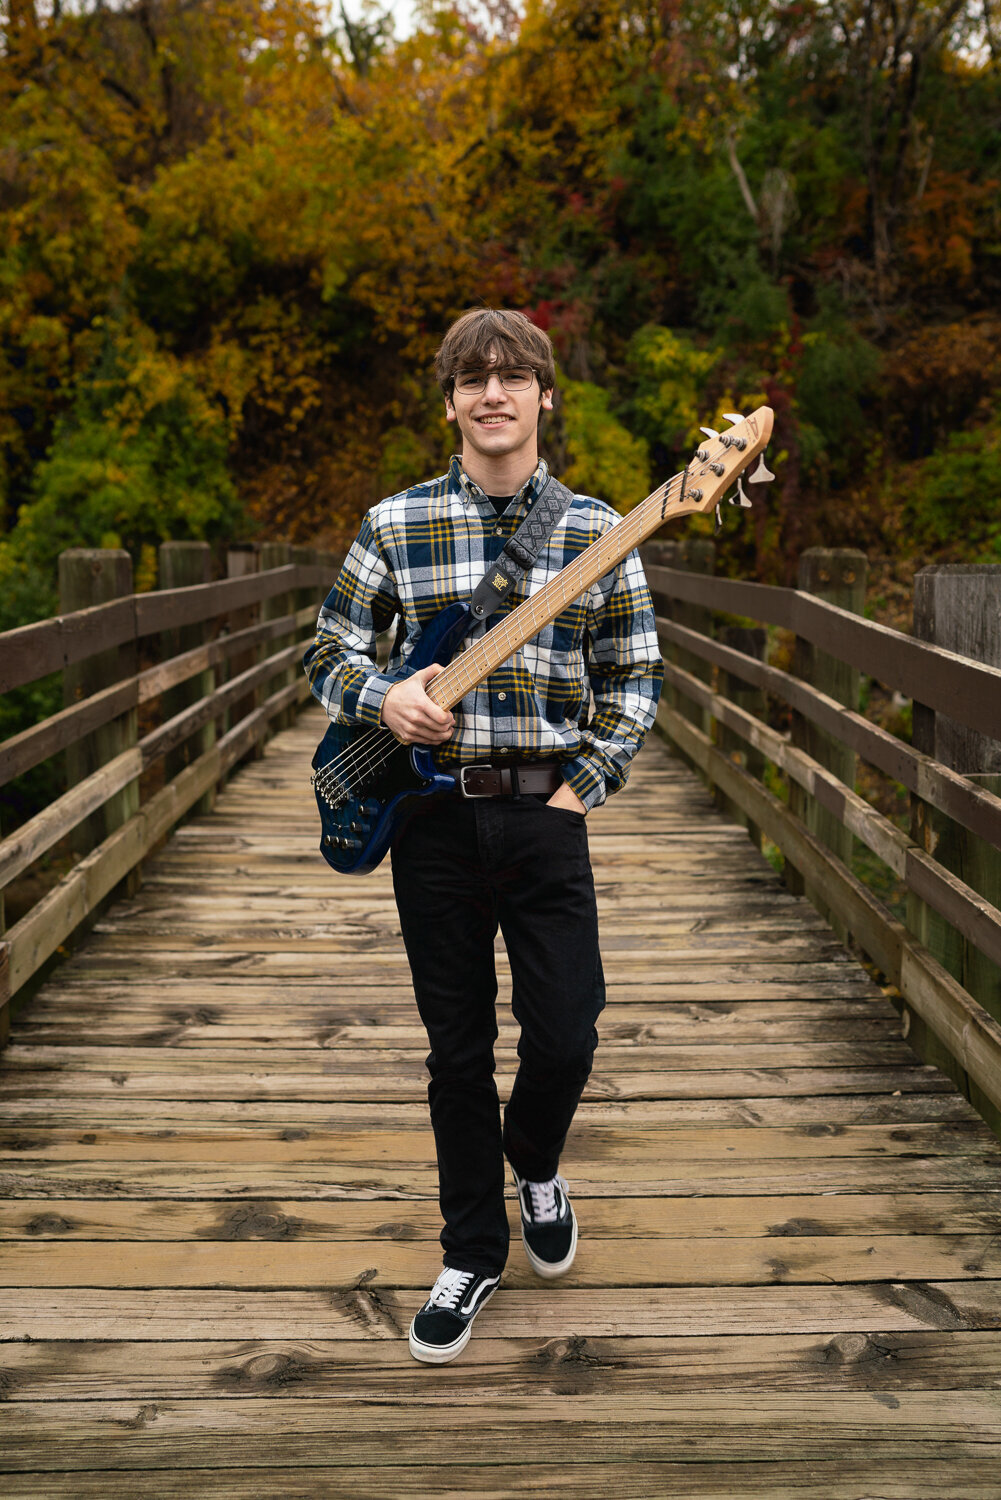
(428, 547)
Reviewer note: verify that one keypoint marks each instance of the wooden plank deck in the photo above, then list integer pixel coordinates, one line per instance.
(218, 1199)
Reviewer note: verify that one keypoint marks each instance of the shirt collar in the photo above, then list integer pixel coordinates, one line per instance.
(471, 493)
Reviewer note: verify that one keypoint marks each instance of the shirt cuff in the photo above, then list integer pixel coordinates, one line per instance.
(582, 777)
(368, 704)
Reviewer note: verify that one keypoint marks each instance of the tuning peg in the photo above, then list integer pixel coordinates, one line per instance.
(710, 432)
(745, 503)
(719, 522)
(733, 416)
(762, 474)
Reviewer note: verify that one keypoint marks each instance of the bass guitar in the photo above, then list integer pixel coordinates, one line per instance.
(366, 780)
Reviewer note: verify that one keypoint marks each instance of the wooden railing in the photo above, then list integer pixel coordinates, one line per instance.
(794, 785)
(165, 692)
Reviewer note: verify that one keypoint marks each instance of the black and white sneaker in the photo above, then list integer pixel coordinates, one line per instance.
(548, 1225)
(441, 1329)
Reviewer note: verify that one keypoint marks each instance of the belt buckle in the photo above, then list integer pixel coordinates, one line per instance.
(480, 766)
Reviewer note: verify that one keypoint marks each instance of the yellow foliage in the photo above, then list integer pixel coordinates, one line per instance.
(604, 459)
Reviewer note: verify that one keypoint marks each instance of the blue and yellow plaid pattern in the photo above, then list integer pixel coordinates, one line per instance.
(428, 547)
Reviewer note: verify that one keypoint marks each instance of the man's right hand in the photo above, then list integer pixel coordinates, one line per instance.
(410, 714)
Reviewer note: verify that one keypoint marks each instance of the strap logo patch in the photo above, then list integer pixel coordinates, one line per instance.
(499, 582)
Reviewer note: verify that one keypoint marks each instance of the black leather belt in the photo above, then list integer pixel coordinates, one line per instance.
(486, 780)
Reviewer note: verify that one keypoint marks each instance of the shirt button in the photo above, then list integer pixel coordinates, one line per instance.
(502, 696)
(498, 531)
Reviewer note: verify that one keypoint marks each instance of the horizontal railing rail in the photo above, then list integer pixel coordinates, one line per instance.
(969, 691)
(35, 651)
(733, 745)
(975, 808)
(239, 683)
(26, 750)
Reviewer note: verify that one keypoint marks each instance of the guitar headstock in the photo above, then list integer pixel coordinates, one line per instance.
(720, 460)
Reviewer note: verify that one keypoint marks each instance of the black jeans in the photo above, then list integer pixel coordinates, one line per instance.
(460, 868)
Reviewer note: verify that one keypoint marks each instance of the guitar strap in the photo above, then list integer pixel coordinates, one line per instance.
(521, 550)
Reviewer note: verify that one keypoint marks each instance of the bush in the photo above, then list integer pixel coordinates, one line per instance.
(101, 486)
(139, 461)
(669, 375)
(950, 499)
(603, 459)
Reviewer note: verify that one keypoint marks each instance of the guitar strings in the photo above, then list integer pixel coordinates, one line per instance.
(360, 760)
(355, 760)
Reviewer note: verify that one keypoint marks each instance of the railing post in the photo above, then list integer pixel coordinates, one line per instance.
(837, 574)
(958, 608)
(691, 555)
(663, 555)
(304, 597)
(242, 559)
(696, 554)
(89, 576)
(306, 556)
(182, 565)
(752, 641)
(278, 555)
(4, 973)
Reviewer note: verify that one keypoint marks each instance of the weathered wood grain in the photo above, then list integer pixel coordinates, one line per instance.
(590, 1143)
(365, 1179)
(381, 1369)
(742, 1426)
(818, 1111)
(381, 1083)
(24, 1058)
(688, 1479)
(653, 1261)
(187, 1313)
(218, 1215)
(773, 1218)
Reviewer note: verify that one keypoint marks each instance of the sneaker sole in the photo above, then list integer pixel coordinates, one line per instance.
(549, 1269)
(440, 1354)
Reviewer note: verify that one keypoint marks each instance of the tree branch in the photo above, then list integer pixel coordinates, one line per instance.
(741, 176)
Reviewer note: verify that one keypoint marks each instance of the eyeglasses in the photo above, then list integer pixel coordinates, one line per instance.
(472, 382)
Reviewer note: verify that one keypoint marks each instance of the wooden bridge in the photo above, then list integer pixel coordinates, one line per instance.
(219, 1192)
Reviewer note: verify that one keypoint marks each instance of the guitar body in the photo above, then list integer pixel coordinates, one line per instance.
(367, 783)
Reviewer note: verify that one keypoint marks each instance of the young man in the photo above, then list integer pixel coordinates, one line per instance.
(514, 851)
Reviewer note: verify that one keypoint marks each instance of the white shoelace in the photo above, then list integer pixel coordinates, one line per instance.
(544, 1210)
(450, 1288)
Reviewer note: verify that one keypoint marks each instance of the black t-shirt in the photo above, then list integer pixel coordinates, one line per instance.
(500, 503)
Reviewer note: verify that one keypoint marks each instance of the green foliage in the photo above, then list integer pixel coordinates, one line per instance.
(669, 375)
(230, 240)
(603, 458)
(405, 460)
(138, 461)
(742, 302)
(950, 499)
(101, 487)
(837, 376)
(27, 594)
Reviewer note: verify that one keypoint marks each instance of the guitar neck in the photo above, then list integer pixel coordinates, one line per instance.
(694, 491)
(476, 663)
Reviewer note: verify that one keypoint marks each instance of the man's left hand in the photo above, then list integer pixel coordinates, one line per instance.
(565, 796)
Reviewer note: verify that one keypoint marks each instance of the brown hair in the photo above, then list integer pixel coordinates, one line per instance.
(485, 332)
